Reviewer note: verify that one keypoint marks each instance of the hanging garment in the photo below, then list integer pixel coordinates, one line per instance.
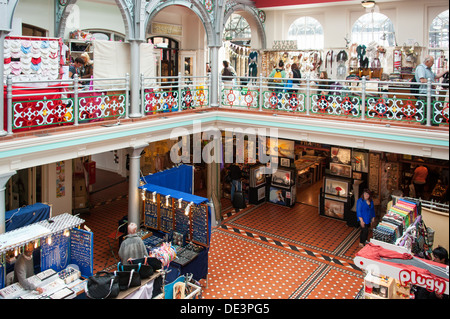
(329, 60)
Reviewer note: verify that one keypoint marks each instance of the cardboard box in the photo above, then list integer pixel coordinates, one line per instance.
(79, 187)
(79, 202)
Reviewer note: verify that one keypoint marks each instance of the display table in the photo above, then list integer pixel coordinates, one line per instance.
(147, 290)
(55, 286)
(382, 258)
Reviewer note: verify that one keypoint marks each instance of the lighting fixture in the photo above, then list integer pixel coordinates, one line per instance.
(368, 4)
(167, 200)
(188, 207)
(154, 196)
(179, 202)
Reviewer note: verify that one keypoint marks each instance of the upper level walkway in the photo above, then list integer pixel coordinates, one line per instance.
(72, 116)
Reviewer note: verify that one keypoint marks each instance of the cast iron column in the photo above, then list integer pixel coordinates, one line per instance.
(3, 180)
(133, 191)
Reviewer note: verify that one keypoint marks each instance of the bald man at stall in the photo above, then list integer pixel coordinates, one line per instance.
(133, 246)
(24, 268)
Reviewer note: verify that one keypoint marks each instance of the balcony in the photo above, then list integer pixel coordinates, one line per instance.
(43, 105)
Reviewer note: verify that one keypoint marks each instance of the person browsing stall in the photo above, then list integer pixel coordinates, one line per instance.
(75, 67)
(440, 255)
(24, 268)
(419, 179)
(365, 212)
(133, 246)
(277, 76)
(88, 71)
(235, 176)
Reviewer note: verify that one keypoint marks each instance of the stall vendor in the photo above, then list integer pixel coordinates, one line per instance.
(133, 246)
(24, 268)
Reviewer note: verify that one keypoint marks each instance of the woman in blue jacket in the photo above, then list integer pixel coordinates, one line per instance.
(365, 212)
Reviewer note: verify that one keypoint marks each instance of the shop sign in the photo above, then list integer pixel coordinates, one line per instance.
(415, 278)
(166, 29)
(284, 45)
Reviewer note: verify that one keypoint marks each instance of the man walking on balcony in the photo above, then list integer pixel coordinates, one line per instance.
(423, 72)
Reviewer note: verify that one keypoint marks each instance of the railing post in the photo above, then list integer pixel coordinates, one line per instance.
(261, 95)
(9, 111)
(208, 85)
(428, 112)
(75, 99)
(127, 92)
(363, 98)
(179, 92)
(308, 94)
(142, 94)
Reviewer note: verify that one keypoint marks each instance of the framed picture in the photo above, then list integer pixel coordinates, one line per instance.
(336, 187)
(284, 148)
(360, 161)
(285, 162)
(341, 170)
(341, 155)
(282, 178)
(333, 208)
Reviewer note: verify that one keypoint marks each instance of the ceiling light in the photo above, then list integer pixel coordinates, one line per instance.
(368, 3)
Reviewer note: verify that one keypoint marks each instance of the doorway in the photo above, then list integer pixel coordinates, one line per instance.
(167, 60)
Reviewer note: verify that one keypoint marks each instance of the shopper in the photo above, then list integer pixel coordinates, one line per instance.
(419, 179)
(323, 86)
(132, 247)
(440, 255)
(422, 74)
(293, 82)
(365, 212)
(235, 175)
(277, 77)
(88, 70)
(228, 74)
(24, 268)
(75, 67)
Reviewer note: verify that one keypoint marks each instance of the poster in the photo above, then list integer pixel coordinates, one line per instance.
(60, 179)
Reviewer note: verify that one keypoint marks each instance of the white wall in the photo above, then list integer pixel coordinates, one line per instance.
(62, 204)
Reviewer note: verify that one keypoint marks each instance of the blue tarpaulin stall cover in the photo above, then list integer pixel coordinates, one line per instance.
(177, 178)
(27, 215)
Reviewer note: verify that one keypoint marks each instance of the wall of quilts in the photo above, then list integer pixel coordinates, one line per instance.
(33, 59)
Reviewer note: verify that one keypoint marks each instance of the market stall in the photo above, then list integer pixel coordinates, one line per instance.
(392, 270)
(63, 256)
(398, 257)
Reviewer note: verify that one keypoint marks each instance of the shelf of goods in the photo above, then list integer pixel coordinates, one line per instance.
(397, 219)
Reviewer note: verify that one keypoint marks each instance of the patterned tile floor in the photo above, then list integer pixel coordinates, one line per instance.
(266, 251)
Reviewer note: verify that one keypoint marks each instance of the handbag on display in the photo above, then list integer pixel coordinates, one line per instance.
(128, 279)
(102, 285)
(138, 265)
(150, 261)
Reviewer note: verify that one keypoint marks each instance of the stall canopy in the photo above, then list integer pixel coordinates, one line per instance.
(26, 215)
(197, 200)
(177, 178)
(401, 265)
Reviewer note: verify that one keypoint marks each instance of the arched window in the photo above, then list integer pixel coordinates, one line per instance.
(438, 40)
(374, 27)
(237, 28)
(308, 32)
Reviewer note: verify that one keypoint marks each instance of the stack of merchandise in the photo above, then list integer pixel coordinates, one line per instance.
(399, 217)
